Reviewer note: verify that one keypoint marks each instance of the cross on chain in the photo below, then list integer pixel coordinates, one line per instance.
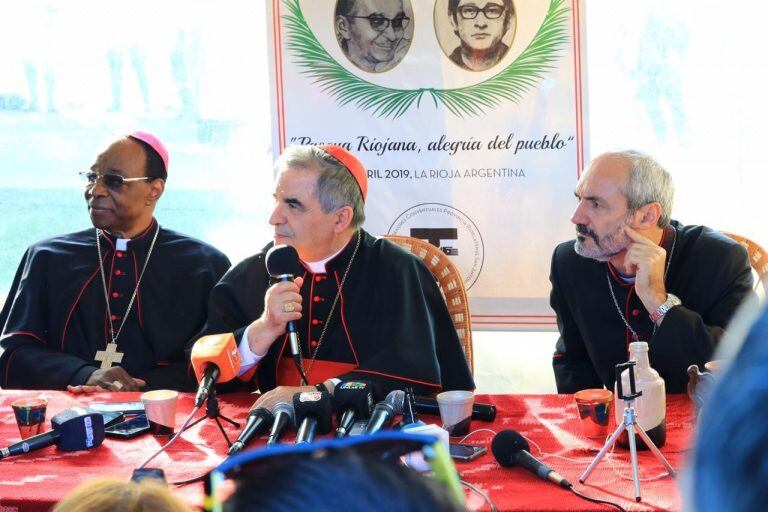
(109, 356)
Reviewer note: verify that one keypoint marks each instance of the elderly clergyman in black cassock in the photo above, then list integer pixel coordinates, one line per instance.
(633, 274)
(110, 307)
(364, 308)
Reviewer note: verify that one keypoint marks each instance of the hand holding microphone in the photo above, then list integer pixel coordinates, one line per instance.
(283, 300)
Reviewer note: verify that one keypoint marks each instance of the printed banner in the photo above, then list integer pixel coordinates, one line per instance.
(468, 115)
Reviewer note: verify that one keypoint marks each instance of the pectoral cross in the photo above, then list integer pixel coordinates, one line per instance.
(109, 356)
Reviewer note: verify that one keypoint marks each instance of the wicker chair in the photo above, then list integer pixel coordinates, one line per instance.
(451, 285)
(759, 260)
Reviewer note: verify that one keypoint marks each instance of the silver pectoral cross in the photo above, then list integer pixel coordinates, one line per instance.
(109, 356)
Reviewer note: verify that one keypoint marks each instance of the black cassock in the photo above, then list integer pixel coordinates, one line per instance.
(55, 317)
(391, 325)
(708, 271)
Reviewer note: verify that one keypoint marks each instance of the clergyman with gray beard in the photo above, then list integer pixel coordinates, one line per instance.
(633, 273)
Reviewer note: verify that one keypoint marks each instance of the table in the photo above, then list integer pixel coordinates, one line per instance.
(36, 481)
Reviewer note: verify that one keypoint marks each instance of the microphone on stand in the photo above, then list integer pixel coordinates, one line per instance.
(215, 358)
(511, 449)
(352, 401)
(385, 411)
(313, 415)
(73, 429)
(283, 264)
(258, 423)
(284, 418)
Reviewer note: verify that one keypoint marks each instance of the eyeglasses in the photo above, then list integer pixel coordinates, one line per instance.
(384, 445)
(111, 181)
(490, 11)
(381, 23)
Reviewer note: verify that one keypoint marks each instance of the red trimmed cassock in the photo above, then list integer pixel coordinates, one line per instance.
(391, 325)
(55, 317)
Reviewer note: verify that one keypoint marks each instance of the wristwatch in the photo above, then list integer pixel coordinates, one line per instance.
(658, 313)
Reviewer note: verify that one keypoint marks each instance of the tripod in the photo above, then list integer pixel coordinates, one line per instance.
(632, 427)
(212, 411)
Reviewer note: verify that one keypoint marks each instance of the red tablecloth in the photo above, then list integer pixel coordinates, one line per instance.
(35, 481)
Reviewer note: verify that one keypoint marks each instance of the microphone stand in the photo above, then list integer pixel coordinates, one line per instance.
(212, 412)
(631, 425)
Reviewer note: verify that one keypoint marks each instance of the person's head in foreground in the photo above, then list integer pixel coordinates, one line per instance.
(730, 464)
(115, 495)
(338, 481)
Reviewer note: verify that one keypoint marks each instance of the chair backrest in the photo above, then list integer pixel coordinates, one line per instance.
(451, 285)
(758, 258)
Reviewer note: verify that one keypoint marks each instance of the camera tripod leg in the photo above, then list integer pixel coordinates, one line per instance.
(633, 456)
(650, 444)
(603, 451)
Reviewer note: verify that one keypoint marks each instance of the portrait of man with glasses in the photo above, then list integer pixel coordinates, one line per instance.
(485, 28)
(374, 34)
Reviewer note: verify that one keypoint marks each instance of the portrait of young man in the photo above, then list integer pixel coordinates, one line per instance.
(484, 28)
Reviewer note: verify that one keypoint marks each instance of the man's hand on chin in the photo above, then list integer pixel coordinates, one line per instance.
(647, 260)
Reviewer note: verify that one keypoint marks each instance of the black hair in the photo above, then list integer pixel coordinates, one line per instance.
(154, 162)
(344, 7)
(453, 11)
(340, 480)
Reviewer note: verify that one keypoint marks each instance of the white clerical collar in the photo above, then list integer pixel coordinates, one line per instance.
(121, 244)
(318, 267)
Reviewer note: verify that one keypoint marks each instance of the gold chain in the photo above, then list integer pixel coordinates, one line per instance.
(135, 291)
(333, 308)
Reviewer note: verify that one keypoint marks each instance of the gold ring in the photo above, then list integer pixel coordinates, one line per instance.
(117, 384)
(288, 307)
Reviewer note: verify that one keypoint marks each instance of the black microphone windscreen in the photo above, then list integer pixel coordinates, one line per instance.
(396, 399)
(355, 394)
(283, 259)
(506, 444)
(80, 428)
(315, 404)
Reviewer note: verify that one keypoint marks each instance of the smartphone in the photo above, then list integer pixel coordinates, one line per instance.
(130, 428)
(124, 407)
(140, 474)
(465, 452)
(112, 418)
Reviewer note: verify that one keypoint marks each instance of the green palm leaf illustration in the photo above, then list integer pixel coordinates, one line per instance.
(510, 84)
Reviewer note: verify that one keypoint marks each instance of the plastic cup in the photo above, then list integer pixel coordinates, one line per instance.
(160, 406)
(456, 411)
(594, 407)
(30, 415)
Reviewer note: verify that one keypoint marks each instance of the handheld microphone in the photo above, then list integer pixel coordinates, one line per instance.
(352, 401)
(284, 418)
(73, 429)
(385, 411)
(482, 412)
(258, 423)
(283, 263)
(313, 415)
(511, 449)
(215, 358)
